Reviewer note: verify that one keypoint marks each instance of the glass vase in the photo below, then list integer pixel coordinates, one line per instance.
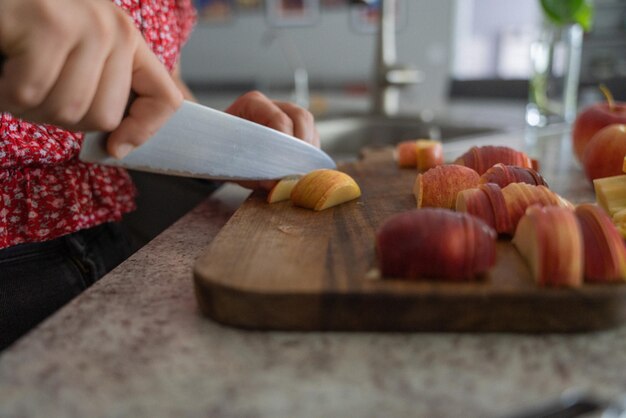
(555, 59)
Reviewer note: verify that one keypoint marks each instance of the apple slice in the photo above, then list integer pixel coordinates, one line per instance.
(605, 254)
(483, 158)
(429, 154)
(405, 154)
(322, 189)
(619, 220)
(439, 186)
(476, 202)
(421, 153)
(520, 196)
(550, 240)
(435, 243)
(611, 193)
(502, 175)
(282, 190)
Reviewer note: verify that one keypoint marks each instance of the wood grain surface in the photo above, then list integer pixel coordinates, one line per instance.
(284, 268)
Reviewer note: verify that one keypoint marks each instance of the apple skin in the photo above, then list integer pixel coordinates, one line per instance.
(503, 208)
(591, 120)
(550, 240)
(322, 189)
(605, 254)
(502, 175)
(483, 158)
(604, 154)
(406, 154)
(435, 243)
(476, 202)
(439, 186)
(429, 154)
(421, 153)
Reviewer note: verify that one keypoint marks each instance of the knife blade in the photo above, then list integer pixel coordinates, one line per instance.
(201, 142)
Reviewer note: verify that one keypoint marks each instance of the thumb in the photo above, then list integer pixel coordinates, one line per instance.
(156, 99)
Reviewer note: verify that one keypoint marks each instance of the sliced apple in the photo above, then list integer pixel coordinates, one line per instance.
(502, 175)
(420, 153)
(405, 154)
(619, 220)
(520, 196)
(611, 193)
(282, 190)
(476, 202)
(439, 186)
(322, 189)
(550, 240)
(429, 154)
(605, 254)
(483, 158)
(435, 243)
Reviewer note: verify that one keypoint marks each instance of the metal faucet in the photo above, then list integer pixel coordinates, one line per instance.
(390, 76)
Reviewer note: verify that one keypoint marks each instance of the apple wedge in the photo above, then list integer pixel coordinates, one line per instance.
(282, 190)
(482, 159)
(550, 240)
(503, 175)
(435, 243)
(405, 154)
(423, 154)
(439, 186)
(605, 254)
(611, 193)
(322, 189)
(429, 154)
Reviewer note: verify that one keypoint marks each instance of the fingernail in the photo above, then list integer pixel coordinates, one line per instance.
(122, 150)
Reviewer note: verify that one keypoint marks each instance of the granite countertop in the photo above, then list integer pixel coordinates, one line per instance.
(135, 345)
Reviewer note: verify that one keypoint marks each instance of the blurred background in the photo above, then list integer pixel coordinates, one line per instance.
(463, 48)
(467, 60)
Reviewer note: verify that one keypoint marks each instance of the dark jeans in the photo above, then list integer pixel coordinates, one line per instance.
(37, 279)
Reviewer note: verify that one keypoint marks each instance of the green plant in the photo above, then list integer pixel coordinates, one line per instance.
(562, 12)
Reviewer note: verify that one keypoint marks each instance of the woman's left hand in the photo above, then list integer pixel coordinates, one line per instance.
(282, 116)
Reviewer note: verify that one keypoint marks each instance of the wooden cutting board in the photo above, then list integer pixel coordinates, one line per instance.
(281, 267)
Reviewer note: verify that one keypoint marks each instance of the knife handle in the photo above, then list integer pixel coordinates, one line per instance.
(2, 59)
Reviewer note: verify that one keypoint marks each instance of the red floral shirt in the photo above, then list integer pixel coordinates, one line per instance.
(45, 191)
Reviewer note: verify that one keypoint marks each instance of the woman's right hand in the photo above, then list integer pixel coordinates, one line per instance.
(73, 63)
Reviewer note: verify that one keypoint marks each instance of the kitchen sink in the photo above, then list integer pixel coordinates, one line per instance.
(344, 137)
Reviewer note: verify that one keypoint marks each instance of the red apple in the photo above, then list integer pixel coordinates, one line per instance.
(605, 253)
(435, 243)
(483, 158)
(591, 120)
(604, 154)
(550, 240)
(439, 186)
(502, 175)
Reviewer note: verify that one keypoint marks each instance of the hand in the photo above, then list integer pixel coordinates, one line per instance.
(73, 63)
(282, 116)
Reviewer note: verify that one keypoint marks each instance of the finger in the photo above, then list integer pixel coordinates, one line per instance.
(255, 107)
(303, 121)
(157, 99)
(70, 98)
(28, 76)
(111, 97)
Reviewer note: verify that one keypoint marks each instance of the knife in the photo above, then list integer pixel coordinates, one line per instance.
(201, 142)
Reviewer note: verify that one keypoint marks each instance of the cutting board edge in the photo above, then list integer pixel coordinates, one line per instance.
(336, 311)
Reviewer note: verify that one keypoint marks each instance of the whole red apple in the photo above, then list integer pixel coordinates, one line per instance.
(604, 154)
(591, 120)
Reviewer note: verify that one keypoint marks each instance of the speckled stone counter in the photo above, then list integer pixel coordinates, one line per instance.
(135, 345)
